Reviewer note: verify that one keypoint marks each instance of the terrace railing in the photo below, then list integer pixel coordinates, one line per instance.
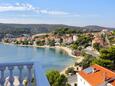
(32, 68)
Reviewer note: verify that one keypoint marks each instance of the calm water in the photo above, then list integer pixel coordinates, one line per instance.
(47, 58)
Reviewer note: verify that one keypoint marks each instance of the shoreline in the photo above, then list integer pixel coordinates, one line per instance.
(67, 50)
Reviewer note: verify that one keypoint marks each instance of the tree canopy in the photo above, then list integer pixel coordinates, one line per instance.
(62, 31)
(56, 79)
(97, 46)
(107, 58)
(83, 40)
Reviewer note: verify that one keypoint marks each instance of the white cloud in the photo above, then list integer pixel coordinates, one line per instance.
(24, 7)
(29, 7)
(16, 7)
(53, 12)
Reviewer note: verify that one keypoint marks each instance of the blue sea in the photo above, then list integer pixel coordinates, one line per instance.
(48, 58)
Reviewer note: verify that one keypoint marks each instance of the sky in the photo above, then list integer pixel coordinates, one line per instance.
(69, 12)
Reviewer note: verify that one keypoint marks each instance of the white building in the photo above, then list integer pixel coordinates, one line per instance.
(75, 38)
(81, 81)
(96, 76)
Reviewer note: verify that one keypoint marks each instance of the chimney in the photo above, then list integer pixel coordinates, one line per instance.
(94, 70)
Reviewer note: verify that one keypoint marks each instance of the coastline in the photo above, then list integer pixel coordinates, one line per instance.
(66, 49)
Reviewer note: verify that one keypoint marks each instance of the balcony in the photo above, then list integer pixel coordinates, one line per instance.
(32, 70)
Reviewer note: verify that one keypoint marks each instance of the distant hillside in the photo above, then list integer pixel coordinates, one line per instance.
(94, 27)
(18, 29)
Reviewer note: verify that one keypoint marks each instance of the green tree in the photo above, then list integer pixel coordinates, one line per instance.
(25, 42)
(70, 70)
(52, 76)
(51, 42)
(87, 60)
(83, 40)
(40, 43)
(107, 58)
(17, 42)
(61, 81)
(56, 79)
(113, 32)
(97, 46)
(108, 53)
(74, 46)
(63, 31)
(103, 62)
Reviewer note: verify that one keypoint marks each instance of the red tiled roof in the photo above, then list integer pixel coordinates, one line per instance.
(98, 77)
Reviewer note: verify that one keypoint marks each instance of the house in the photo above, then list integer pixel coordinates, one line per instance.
(75, 38)
(67, 39)
(76, 52)
(98, 39)
(39, 35)
(96, 75)
(57, 41)
(21, 38)
(105, 30)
